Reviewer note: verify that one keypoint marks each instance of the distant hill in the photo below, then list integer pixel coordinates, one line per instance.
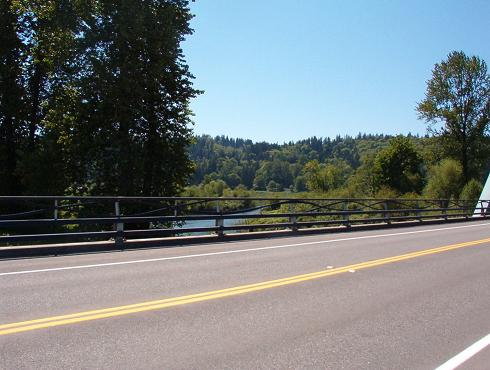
(255, 164)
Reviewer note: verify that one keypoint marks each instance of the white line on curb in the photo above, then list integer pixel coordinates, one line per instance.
(236, 251)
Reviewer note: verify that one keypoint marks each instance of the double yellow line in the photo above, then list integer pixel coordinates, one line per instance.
(47, 322)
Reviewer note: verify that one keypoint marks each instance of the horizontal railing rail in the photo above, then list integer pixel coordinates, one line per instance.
(53, 219)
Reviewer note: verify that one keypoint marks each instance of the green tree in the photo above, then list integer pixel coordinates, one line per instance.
(472, 190)
(399, 166)
(276, 170)
(48, 29)
(228, 170)
(299, 184)
(313, 175)
(457, 108)
(11, 91)
(325, 177)
(49, 63)
(214, 188)
(97, 92)
(247, 173)
(337, 173)
(363, 181)
(134, 97)
(273, 186)
(445, 180)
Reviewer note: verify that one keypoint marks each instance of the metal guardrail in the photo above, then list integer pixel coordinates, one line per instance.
(52, 219)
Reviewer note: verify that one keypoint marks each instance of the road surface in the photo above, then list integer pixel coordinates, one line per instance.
(408, 298)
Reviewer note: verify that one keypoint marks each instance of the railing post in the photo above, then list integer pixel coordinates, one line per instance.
(55, 213)
(418, 212)
(386, 214)
(444, 209)
(251, 230)
(292, 221)
(176, 208)
(219, 221)
(292, 218)
(470, 210)
(119, 239)
(346, 214)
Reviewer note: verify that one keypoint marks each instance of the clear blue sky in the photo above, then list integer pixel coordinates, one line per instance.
(280, 70)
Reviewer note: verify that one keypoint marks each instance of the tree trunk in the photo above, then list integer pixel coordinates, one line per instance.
(35, 113)
(464, 155)
(149, 159)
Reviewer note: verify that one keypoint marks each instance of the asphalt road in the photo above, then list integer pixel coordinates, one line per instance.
(399, 304)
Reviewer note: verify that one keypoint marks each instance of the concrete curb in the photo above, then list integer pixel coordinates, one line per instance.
(109, 246)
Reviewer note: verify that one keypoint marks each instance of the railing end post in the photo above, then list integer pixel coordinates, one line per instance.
(119, 226)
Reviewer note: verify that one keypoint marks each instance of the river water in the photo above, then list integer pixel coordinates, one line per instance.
(212, 223)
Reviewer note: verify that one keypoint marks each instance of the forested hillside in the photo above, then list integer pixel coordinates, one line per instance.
(255, 165)
(361, 166)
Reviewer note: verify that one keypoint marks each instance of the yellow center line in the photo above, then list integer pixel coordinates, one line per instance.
(47, 322)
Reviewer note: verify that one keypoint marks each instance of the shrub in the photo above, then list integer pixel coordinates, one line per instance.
(445, 180)
(471, 190)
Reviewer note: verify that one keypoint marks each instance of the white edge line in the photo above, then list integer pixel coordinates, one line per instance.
(235, 251)
(469, 352)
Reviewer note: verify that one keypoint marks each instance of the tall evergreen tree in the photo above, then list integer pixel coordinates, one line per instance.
(136, 95)
(48, 32)
(11, 103)
(97, 92)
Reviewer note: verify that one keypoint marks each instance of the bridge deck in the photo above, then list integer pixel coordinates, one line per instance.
(405, 312)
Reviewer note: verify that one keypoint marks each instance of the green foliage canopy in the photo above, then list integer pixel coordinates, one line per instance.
(457, 108)
(445, 180)
(97, 92)
(472, 190)
(256, 164)
(399, 166)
